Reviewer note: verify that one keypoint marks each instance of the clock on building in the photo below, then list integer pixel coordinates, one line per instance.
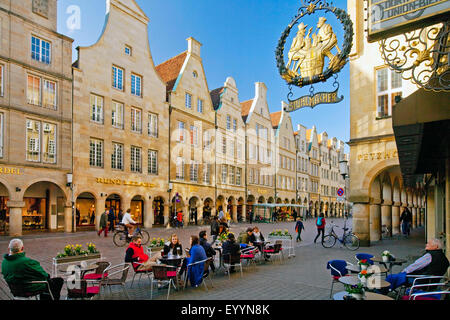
(40, 7)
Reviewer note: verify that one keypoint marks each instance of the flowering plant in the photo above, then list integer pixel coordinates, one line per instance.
(363, 262)
(386, 254)
(365, 274)
(157, 242)
(223, 236)
(280, 233)
(356, 289)
(91, 248)
(71, 250)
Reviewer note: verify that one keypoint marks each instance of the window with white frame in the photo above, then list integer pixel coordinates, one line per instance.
(238, 176)
(194, 171)
(49, 94)
(224, 173)
(117, 78)
(136, 85)
(251, 175)
(181, 128)
(117, 156)
(234, 125)
(207, 139)
(200, 105)
(232, 175)
(224, 145)
(136, 159)
(136, 120)
(40, 50)
(188, 101)
(34, 90)
(117, 115)
(96, 108)
(96, 153)
(153, 162)
(389, 86)
(153, 125)
(228, 122)
(231, 149)
(180, 168)
(239, 151)
(206, 173)
(194, 136)
(33, 136)
(49, 143)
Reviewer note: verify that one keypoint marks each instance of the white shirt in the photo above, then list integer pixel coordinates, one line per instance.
(127, 219)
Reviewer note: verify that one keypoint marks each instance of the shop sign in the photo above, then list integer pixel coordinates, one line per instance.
(120, 182)
(378, 155)
(388, 18)
(11, 171)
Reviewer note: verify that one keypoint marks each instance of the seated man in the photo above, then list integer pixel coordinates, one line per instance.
(129, 222)
(432, 263)
(210, 252)
(245, 239)
(136, 256)
(19, 271)
(230, 248)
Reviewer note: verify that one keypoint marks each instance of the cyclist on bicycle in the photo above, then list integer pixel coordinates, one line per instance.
(129, 223)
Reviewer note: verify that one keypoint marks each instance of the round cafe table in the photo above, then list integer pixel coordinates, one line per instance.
(171, 260)
(392, 263)
(368, 296)
(357, 269)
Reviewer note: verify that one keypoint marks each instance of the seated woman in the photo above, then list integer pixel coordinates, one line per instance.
(173, 246)
(230, 248)
(256, 236)
(195, 254)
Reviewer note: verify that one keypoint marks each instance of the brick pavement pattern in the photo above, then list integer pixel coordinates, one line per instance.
(303, 277)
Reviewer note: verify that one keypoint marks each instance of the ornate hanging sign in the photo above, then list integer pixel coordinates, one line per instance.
(309, 51)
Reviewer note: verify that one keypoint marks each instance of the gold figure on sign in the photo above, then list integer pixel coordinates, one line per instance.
(309, 56)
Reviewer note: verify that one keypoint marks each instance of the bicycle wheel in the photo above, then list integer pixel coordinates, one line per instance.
(119, 239)
(351, 242)
(328, 241)
(145, 237)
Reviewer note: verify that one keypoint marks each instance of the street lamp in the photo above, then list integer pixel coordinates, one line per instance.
(343, 168)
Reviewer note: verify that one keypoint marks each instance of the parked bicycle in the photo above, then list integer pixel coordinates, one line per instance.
(348, 239)
(121, 237)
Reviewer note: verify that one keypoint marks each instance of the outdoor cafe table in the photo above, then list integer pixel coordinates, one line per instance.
(395, 262)
(171, 260)
(367, 296)
(82, 269)
(219, 249)
(354, 280)
(357, 269)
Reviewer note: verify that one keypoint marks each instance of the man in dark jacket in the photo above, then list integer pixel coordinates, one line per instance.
(215, 228)
(111, 219)
(210, 252)
(230, 248)
(406, 220)
(18, 271)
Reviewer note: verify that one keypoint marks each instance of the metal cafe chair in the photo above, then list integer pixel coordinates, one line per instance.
(230, 260)
(166, 274)
(206, 273)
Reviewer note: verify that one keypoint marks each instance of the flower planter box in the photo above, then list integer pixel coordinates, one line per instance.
(154, 249)
(280, 237)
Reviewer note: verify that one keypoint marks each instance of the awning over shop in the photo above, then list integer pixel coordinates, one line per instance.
(421, 124)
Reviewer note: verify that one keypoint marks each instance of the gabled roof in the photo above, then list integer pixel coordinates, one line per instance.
(170, 70)
(245, 108)
(215, 97)
(275, 117)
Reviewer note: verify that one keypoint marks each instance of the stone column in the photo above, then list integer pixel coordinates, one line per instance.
(99, 209)
(149, 217)
(375, 221)
(414, 217)
(396, 218)
(361, 226)
(15, 218)
(386, 215)
(234, 213)
(68, 218)
(244, 213)
(186, 214)
(166, 213)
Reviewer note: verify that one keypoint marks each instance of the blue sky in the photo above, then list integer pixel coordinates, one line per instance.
(239, 38)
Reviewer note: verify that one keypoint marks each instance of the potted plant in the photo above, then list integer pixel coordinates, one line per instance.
(157, 244)
(363, 264)
(363, 276)
(280, 234)
(386, 255)
(356, 291)
(75, 253)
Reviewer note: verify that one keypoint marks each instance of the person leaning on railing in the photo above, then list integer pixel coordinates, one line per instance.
(20, 271)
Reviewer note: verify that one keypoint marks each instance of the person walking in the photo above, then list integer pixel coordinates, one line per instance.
(111, 219)
(250, 214)
(299, 226)
(405, 220)
(180, 219)
(294, 214)
(103, 226)
(320, 224)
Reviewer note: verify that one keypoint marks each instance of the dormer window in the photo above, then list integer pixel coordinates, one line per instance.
(128, 50)
(195, 74)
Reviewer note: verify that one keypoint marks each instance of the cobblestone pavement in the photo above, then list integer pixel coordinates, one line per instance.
(303, 277)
